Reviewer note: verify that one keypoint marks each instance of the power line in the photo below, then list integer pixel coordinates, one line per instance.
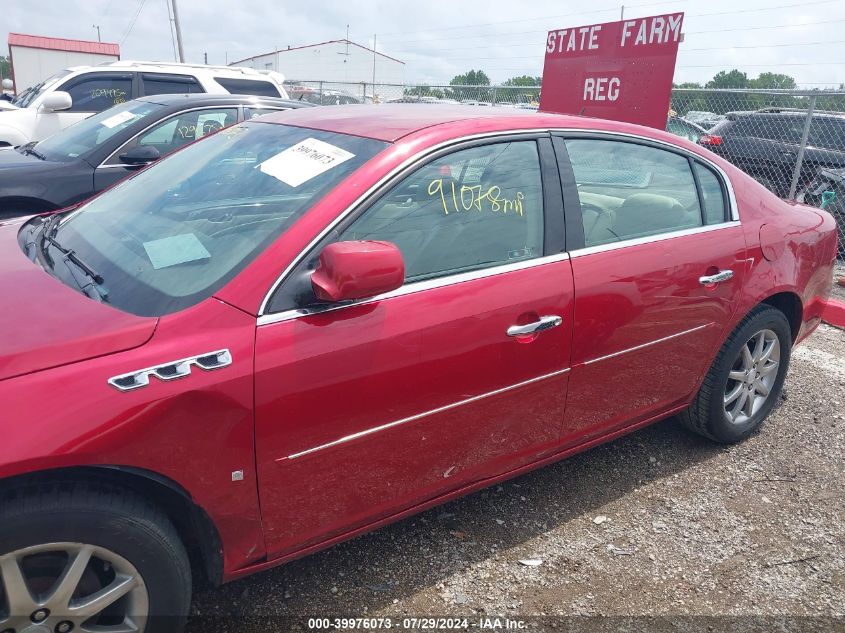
(545, 17)
(686, 33)
(132, 23)
(540, 55)
(536, 31)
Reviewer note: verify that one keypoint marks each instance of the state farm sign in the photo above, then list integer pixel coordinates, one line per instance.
(616, 70)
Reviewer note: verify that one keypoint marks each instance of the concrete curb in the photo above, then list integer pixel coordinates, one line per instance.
(834, 313)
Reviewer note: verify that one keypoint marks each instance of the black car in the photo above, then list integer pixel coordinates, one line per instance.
(827, 191)
(765, 144)
(93, 154)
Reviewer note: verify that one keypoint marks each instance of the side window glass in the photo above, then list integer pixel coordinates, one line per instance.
(163, 84)
(472, 209)
(629, 191)
(181, 129)
(712, 194)
(252, 113)
(248, 87)
(99, 93)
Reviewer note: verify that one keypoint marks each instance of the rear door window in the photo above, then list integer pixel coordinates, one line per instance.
(157, 84)
(256, 87)
(96, 92)
(629, 191)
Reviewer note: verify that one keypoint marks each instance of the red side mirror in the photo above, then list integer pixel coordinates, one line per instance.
(355, 270)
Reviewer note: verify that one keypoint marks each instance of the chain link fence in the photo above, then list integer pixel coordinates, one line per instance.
(793, 142)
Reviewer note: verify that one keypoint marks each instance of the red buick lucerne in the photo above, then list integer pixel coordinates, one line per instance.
(312, 324)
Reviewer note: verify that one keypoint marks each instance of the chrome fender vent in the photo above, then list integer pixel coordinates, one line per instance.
(172, 370)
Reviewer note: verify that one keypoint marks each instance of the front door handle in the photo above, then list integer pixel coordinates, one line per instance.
(545, 323)
(719, 277)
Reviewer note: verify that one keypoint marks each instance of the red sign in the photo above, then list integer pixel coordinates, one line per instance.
(616, 70)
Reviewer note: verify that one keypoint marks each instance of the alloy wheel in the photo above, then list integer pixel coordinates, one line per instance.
(64, 587)
(752, 377)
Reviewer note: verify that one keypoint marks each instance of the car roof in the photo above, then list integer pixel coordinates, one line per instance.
(201, 99)
(392, 121)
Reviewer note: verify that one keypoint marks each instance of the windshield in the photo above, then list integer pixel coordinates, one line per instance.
(92, 132)
(31, 94)
(178, 231)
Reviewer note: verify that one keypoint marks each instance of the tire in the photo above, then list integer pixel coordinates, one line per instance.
(709, 415)
(129, 545)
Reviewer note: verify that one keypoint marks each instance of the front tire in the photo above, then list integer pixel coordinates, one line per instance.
(746, 378)
(83, 556)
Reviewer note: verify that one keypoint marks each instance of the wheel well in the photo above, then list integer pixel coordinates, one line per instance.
(193, 524)
(790, 304)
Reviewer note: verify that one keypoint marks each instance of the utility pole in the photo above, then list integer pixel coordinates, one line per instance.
(622, 13)
(97, 26)
(178, 32)
(205, 58)
(374, 67)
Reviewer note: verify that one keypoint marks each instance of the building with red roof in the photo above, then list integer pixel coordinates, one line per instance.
(34, 58)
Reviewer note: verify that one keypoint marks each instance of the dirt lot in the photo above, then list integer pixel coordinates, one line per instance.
(659, 523)
(839, 291)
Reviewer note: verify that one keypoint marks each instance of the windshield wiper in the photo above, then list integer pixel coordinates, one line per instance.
(48, 232)
(29, 148)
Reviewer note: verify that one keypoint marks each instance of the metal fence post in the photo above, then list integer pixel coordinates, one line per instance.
(799, 162)
(493, 97)
(321, 93)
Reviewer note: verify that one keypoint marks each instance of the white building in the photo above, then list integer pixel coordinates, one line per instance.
(35, 58)
(334, 61)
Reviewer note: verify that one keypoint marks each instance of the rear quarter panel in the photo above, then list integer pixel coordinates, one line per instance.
(791, 248)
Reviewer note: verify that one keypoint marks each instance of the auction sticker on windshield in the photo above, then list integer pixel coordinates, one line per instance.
(176, 249)
(303, 161)
(117, 119)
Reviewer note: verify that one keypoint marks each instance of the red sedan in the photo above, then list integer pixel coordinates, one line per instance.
(312, 324)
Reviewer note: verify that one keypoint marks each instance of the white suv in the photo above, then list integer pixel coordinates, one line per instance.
(76, 93)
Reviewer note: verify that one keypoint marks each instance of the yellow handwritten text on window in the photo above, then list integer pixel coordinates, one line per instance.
(456, 199)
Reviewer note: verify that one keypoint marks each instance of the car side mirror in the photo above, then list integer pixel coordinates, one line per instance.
(56, 101)
(140, 155)
(357, 269)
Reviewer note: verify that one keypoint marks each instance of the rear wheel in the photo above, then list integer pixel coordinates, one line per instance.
(87, 558)
(745, 381)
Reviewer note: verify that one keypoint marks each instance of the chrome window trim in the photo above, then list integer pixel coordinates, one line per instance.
(675, 148)
(424, 414)
(418, 286)
(648, 239)
(411, 162)
(644, 345)
(103, 165)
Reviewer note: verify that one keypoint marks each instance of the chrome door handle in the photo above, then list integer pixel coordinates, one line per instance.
(719, 277)
(545, 323)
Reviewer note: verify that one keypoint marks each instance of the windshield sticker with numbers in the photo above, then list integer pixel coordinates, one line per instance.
(304, 161)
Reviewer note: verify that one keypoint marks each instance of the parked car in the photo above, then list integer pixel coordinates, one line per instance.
(76, 93)
(685, 129)
(324, 97)
(705, 119)
(93, 154)
(765, 144)
(827, 191)
(312, 324)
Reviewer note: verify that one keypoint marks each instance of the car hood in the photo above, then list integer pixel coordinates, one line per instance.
(12, 159)
(44, 323)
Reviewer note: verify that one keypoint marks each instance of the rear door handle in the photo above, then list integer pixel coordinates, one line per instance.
(719, 277)
(545, 323)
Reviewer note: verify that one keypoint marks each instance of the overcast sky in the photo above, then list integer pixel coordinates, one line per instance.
(440, 38)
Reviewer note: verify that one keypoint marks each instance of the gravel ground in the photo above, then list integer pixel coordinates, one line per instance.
(660, 523)
(839, 291)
